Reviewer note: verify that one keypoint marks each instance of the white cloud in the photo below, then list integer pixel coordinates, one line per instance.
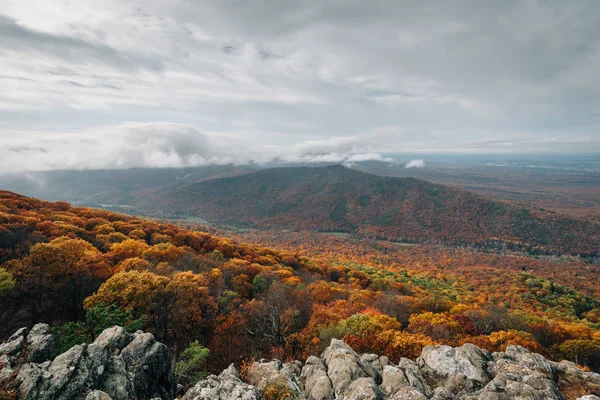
(161, 145)
(300, 76)
(415, 164)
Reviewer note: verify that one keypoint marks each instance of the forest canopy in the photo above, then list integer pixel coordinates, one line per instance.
(225, 301)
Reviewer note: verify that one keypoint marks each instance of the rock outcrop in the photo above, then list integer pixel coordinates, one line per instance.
(227, 385)
(117, 366)
(440, 373)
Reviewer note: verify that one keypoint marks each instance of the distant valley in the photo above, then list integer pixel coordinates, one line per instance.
(330, 198)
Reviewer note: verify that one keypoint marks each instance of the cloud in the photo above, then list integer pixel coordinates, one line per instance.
(162, 144)
(18, 38)
(299, 80)
(415, 164)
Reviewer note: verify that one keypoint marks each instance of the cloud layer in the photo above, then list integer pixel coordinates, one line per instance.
(292, 79)
(164, 145)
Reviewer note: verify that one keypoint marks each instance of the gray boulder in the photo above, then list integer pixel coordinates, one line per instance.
(575, 382)
(520, 374)
(97, 395)
(363, 389)
(23, 347)
(393, 379)
(118, 364)
(317, 385)
(40, 343)
(414, 376)
(440, 363)
(345, 366)
(265, 373)
(408, 393)
(226, 386)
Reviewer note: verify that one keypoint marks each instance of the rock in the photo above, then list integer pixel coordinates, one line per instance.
(443, 393)
(317, 385)
(118, 364)
(27, 346)
(97, 395)
(40, 343)
(344, 366)
(575, 382)
(414, 376)
(440, 363)
(265, 373)
(372, 360)
(30, 378)
(13, 346)
(520, 374)
(149, 366)
(363, 389)
(114, 338)
(226, 386)
(393, 380)
(408, 393)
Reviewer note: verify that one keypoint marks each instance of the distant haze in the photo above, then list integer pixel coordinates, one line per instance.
(118, 84)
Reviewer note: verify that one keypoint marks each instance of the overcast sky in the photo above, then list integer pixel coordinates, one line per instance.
(105, 83)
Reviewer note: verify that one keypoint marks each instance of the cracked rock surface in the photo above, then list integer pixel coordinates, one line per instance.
(119, 366)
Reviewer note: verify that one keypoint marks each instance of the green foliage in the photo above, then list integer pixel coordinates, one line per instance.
(583, 352)
(96, 320)
(69, 335)
(191, 366)
(339, 212)
(101, 317)
(218, 255)
(364, 200)
(496, 208)
(7, 282)
(562, 299)
(282, 208)
(386, 219)
(260, 285)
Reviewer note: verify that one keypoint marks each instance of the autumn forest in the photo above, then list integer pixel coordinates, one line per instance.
(250, 294)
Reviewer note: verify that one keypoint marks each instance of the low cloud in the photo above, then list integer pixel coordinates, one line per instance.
(163, 144)
(415, 164)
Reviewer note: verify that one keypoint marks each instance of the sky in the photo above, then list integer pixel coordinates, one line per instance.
(118, 84)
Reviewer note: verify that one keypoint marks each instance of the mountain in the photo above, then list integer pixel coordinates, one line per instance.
(112, 187)
(335, 198)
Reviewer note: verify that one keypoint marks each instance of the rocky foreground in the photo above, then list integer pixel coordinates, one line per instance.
(120, 366)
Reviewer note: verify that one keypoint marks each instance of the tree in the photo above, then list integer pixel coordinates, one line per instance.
(177, 309)
(96, 320)
(583, 352)
(56, 277)
(275, 315)
(191, 310)
(142, 293)
(191, 366)
(7, 282)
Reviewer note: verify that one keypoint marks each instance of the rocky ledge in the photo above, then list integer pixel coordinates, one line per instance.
(119, 366)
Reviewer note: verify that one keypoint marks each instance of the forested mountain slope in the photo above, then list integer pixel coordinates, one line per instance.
(336, 198)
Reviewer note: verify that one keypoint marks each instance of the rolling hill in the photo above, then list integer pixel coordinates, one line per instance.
(335, 198)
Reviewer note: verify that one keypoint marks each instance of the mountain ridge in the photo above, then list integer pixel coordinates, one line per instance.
(336, 198)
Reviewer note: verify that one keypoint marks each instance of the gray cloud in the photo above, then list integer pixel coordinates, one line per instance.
(308, 79)
(162, 145)
(18, 38)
